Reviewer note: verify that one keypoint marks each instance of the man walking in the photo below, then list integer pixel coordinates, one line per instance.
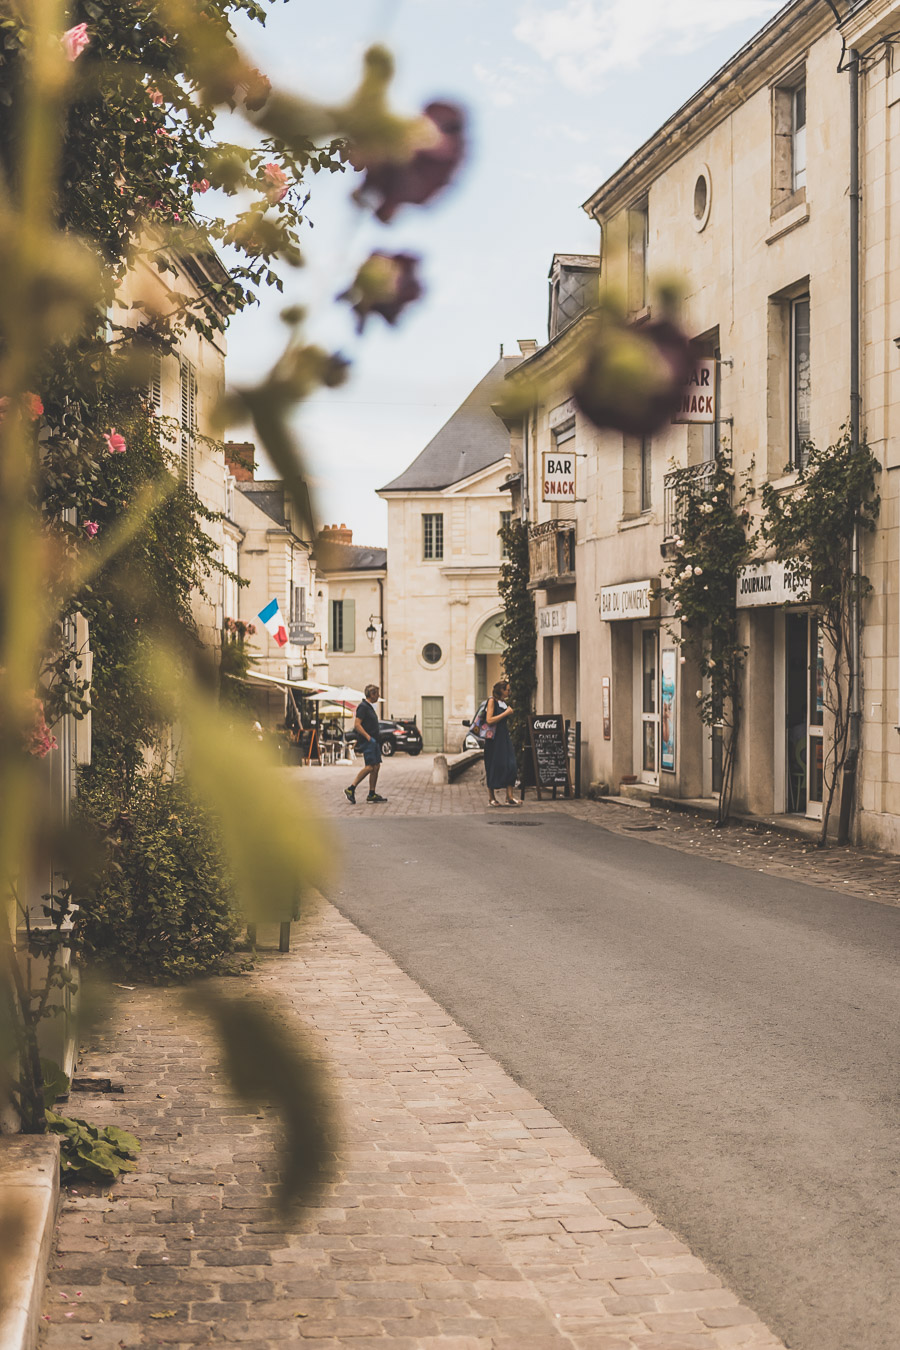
(366, 727)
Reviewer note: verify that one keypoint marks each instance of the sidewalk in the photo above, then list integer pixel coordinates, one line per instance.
(464, 1216)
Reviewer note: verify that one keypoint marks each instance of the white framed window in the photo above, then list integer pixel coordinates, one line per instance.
(505, 522)
(798, 137)
(646, 473)
(801, 384)
(433, 536)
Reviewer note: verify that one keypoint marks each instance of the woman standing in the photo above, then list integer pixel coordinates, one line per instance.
(499, 757)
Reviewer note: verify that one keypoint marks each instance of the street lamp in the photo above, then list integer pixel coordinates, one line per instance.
(371, 630)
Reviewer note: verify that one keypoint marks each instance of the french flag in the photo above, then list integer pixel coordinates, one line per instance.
(273, 619)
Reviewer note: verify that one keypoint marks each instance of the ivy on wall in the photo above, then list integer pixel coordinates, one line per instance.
(518, 633)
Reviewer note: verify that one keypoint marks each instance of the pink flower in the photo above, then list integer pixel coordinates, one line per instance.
(385, 284)
(115, 442)
(38, 740)
(429, 167)
(161, 131)
(276, 182)
(90, 528)
(33, 406)
(202, 186)
(75, 40)
(155, 96)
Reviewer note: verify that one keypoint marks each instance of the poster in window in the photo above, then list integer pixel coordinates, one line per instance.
(604, 694)
(668, 666)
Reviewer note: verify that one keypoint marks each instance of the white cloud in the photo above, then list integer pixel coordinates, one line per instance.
(508, 82)
(586, 40)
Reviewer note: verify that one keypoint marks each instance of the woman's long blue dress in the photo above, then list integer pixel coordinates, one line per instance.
(500, 766)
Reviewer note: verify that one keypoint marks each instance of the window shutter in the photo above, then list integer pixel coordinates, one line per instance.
(349, 635)
(331, 625)
(188, 421)
(154, 386)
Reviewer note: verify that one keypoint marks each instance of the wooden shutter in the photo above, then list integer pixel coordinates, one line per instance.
(331, 625)
(188, 420)
(349, 634)
(154, 385)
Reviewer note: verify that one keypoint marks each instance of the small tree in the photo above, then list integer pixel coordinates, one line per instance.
(710, 549)
(811, 530)
(518, 632)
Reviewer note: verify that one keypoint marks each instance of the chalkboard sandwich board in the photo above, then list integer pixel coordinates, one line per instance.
(547, 733)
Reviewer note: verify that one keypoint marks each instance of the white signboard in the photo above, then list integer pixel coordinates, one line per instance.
(558, 476)
(768, 583)
(554, 620)
(631, 600)
(698, 397)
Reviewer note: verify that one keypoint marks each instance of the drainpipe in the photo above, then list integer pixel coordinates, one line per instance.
(381, 641)
(848, 785)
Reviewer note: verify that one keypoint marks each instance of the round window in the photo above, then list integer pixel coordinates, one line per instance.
(431, 653)
(702, 198)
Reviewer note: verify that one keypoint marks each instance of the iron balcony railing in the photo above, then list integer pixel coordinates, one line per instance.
(551, 550)
(680, 487)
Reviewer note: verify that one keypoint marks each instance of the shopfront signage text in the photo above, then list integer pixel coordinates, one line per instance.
(698, 397)
(555, 620)
(631, 600)
(558, 477)
(769, 583)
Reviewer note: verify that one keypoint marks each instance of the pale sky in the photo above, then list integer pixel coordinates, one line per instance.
(559, 94)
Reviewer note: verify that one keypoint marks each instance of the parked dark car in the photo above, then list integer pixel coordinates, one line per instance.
(394, 735)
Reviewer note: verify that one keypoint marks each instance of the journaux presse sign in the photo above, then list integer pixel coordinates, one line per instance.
(557, 476)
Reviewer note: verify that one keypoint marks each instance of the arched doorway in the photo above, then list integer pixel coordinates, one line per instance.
(489, 651)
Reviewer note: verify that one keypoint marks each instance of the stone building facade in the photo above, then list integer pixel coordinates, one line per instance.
(355, 578)
(744, 196)
(442, 606)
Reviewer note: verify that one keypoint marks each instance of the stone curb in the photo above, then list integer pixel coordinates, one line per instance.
(29, 1199)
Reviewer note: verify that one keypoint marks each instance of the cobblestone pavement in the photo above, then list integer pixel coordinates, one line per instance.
(407, 784)
(463, 1217)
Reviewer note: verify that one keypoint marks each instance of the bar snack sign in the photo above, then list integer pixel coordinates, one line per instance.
(698, 397)
(557, 476)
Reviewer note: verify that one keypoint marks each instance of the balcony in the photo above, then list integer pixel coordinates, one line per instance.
(680, 488)
(551, 554)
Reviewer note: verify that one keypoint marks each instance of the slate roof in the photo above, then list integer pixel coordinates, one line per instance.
(333, 557)
(472, 440)
(268, 495)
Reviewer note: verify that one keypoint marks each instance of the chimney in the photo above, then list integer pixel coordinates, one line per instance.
(240, 459)
(527, 346)
(335, 534)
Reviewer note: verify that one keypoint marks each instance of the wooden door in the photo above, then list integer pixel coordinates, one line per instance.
(432, 724)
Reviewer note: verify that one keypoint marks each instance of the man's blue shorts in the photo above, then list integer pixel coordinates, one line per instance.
(371, 752)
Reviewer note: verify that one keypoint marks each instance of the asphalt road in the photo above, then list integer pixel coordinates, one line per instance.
(726, 1041)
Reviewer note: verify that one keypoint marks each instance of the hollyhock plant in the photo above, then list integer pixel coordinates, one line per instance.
(431, 164)
(75, 40)
(632, 376)
(276, 183)
(115, 442)
(385, 284)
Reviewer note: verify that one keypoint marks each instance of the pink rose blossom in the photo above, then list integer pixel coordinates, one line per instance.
(115, 442)
(201, 186)
(90, 528)
(75, 40)
(155, 96)
(33, 405)
(276, 188)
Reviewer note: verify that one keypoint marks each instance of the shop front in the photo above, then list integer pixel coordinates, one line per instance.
(557, 627)
(632, 611)
(786, 671)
